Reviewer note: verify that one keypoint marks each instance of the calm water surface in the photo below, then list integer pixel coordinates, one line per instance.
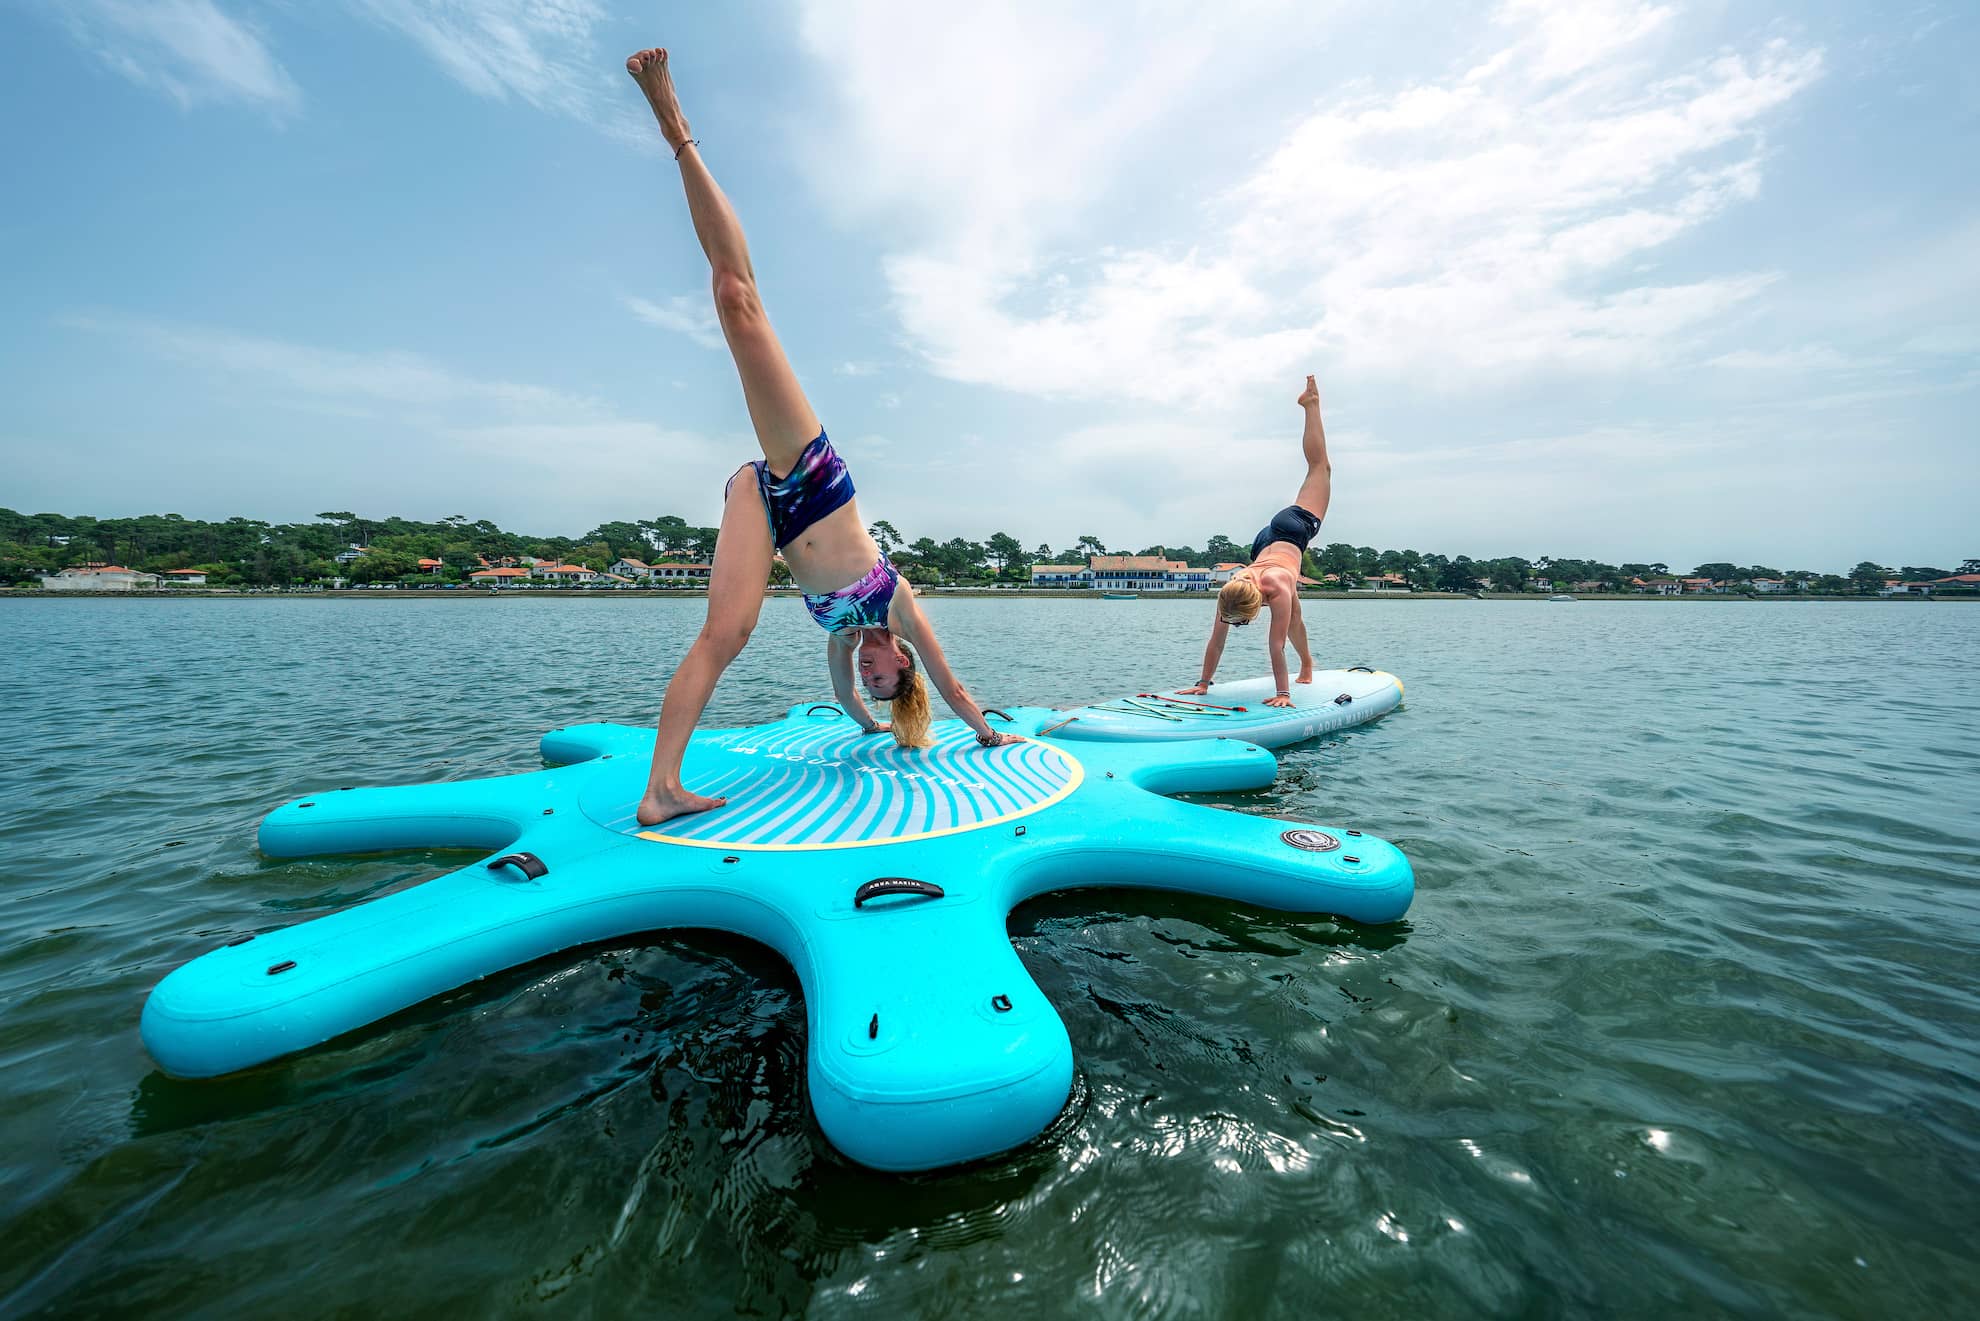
(1683, 1021)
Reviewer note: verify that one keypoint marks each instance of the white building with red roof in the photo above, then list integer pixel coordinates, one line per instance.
(1135, 573)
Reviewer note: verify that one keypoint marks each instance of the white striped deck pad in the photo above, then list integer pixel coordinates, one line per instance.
(820, 786)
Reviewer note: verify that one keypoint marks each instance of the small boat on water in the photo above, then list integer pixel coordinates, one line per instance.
(1560, 596)
(1120, 596)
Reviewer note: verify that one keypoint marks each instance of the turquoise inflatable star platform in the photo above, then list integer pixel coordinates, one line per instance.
(883, 875)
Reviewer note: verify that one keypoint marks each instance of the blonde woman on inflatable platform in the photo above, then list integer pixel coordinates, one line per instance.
(1271, 580)
(798, 498)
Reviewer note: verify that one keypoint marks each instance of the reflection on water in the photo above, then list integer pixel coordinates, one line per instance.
(1682, 1021)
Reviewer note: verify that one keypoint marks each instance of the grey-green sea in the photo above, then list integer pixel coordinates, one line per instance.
(1682, 1023)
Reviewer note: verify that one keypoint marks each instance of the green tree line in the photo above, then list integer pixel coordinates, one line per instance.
(253, 552)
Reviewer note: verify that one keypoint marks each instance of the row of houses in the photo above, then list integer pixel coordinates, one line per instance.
(1958, 582)
(541, 570)
(507, 568)
(624, 572)
(1131, 573)
(1696, 586)
(668, 572)
(1136, 573)
(505, 571)
(1155, 573)
(1657, 586)
(510, 570)
(1773, 586)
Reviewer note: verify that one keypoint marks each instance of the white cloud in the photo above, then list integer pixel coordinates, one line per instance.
(188, 49)
(690, 316)
(1555, 40)
(1805, 358)
(1494, 220)
(602, 446)
(541, 52)
(1501, 497)
(984, 124)
(336, 375)
(411, 433)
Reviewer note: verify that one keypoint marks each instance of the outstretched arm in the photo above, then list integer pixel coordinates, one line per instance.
(839, 660)
(1275, 646)
(1212, 653)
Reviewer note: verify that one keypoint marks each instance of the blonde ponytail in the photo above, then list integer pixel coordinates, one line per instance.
(908, 713)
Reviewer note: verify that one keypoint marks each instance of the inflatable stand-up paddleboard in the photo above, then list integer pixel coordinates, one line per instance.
(884, 875)
(1335, 700)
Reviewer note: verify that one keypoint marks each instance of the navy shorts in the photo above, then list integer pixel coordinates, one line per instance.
(1290, 524)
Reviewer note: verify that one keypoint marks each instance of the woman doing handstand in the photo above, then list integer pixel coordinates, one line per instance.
(1272, 578)
(798, 498)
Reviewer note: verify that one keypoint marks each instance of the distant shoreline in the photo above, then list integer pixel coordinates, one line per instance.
(979, 593)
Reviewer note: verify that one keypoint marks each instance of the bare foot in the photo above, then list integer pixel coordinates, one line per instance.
(1305, 674)
(649, 70)
(1308, 398)
(667, 804)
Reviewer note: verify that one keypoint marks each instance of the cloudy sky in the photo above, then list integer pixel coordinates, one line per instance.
(1661, 281)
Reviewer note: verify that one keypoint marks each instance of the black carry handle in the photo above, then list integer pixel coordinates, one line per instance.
(824, 706)
(993, 711)
(880, 885)
(1363, 668)
(1343, 699)
(527, 863)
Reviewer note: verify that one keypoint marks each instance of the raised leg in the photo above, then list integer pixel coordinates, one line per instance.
(1318, 488)
(782, 416)
(735, 596)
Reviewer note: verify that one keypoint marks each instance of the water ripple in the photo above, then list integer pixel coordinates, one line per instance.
(1682, 1022)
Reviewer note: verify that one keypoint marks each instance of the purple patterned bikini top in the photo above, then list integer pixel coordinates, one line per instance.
(864, 604)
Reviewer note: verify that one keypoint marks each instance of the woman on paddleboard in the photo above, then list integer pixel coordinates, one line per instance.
(798, 499)
(1271, 580)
